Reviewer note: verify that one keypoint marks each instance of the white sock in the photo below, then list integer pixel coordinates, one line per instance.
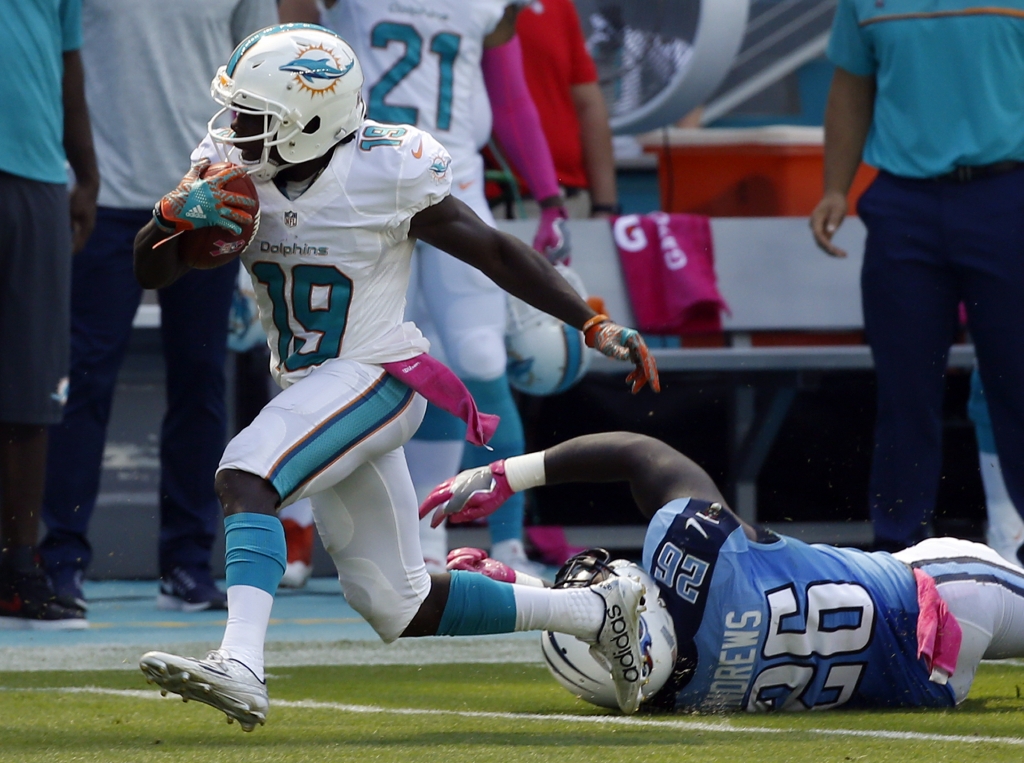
(246, 631)
(575, 611)
(1005, 531)
(300, 512)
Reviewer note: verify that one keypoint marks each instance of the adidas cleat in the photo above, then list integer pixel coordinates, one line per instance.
(217, 681)
(618, 642)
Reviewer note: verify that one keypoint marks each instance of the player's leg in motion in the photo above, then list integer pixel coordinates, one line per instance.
(1005, 530)
(985, 594)
(368, 524)
(308, 438)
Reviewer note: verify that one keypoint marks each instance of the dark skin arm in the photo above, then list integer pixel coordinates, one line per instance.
(156, 268)
(79, 150)
(848, 114)
(453, 227)
(656, 472)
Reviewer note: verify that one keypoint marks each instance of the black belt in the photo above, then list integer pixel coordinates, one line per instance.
(976, 172)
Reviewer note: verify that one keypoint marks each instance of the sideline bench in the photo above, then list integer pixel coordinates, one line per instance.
(774, 280)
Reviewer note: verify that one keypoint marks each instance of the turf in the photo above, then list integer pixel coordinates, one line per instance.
(441, 713)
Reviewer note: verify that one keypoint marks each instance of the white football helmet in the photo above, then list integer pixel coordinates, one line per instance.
(569, 659)
(545, 356)
(304, 80)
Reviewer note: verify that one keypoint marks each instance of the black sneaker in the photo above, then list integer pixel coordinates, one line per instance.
(27, 602)
(183, 590)
(67, 586)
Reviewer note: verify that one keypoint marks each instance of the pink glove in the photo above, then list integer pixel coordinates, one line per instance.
(476, 560)
(552, 239)
(469, 495)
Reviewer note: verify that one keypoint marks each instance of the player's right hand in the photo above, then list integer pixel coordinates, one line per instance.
(469, 495)
(202, 202)
(476, 560)
(825, 221)
(623, 343)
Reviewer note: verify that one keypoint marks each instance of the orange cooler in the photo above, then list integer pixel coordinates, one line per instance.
(744, 172)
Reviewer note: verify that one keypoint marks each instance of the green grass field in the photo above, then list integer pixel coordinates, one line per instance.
(471, 714)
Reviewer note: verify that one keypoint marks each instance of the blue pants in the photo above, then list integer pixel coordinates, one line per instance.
(930, 246)
(104, 298)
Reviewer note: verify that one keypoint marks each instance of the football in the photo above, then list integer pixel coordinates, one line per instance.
(208, 248)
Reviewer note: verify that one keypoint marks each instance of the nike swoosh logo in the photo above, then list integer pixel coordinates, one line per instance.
(418, 151)
(691, 522)
(466, 185)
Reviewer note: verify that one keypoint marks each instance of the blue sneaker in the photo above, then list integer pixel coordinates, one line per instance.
(67, 586)
(184, 590)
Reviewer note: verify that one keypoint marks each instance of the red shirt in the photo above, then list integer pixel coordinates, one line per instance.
(555, 58)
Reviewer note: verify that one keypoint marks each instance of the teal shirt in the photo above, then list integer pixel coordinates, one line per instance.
(34, 36)
(950, 80)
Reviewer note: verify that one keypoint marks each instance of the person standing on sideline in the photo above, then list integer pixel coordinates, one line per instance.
(563, 83)
(45, 126)
(148, 82)
(922, 94)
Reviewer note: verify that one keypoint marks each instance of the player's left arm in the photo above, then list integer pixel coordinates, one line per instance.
(656, 472)
(450, 225)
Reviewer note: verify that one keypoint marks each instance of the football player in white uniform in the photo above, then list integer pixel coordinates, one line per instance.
(444, 67)
(342, 202)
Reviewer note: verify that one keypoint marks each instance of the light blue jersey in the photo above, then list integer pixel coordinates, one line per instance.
(943, 69)
(780, 624)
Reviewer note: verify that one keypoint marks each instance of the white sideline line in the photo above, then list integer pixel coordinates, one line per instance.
(722, 727)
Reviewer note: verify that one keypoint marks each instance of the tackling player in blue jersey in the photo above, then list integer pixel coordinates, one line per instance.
(757, 621)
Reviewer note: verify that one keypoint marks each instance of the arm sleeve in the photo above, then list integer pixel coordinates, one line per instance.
(848, 47)
(516, 121)
(71, 25)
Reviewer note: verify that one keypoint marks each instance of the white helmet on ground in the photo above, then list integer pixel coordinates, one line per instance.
(304, 80)
(569, 659)
(545, 356)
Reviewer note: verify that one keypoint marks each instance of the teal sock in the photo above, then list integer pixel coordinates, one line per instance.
(255, 551)
(496, 397)
(977, 409)
(477, 605)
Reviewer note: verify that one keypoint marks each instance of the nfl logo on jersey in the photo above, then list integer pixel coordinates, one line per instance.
(291, 219)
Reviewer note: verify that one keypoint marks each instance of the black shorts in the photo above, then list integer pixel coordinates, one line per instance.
(35, 294)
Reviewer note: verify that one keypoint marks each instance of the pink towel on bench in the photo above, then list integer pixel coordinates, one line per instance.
(669, 266)
(439, 385)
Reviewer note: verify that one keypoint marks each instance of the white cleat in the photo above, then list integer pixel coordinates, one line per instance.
(218, 681)
(618, 642)
(296, 574)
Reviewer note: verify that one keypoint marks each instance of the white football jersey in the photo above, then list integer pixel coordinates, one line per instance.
(331, 267)
(421, 64)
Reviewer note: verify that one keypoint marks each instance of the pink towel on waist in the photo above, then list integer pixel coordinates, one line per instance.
(439, 385)
(938, 632)
(669, 266)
